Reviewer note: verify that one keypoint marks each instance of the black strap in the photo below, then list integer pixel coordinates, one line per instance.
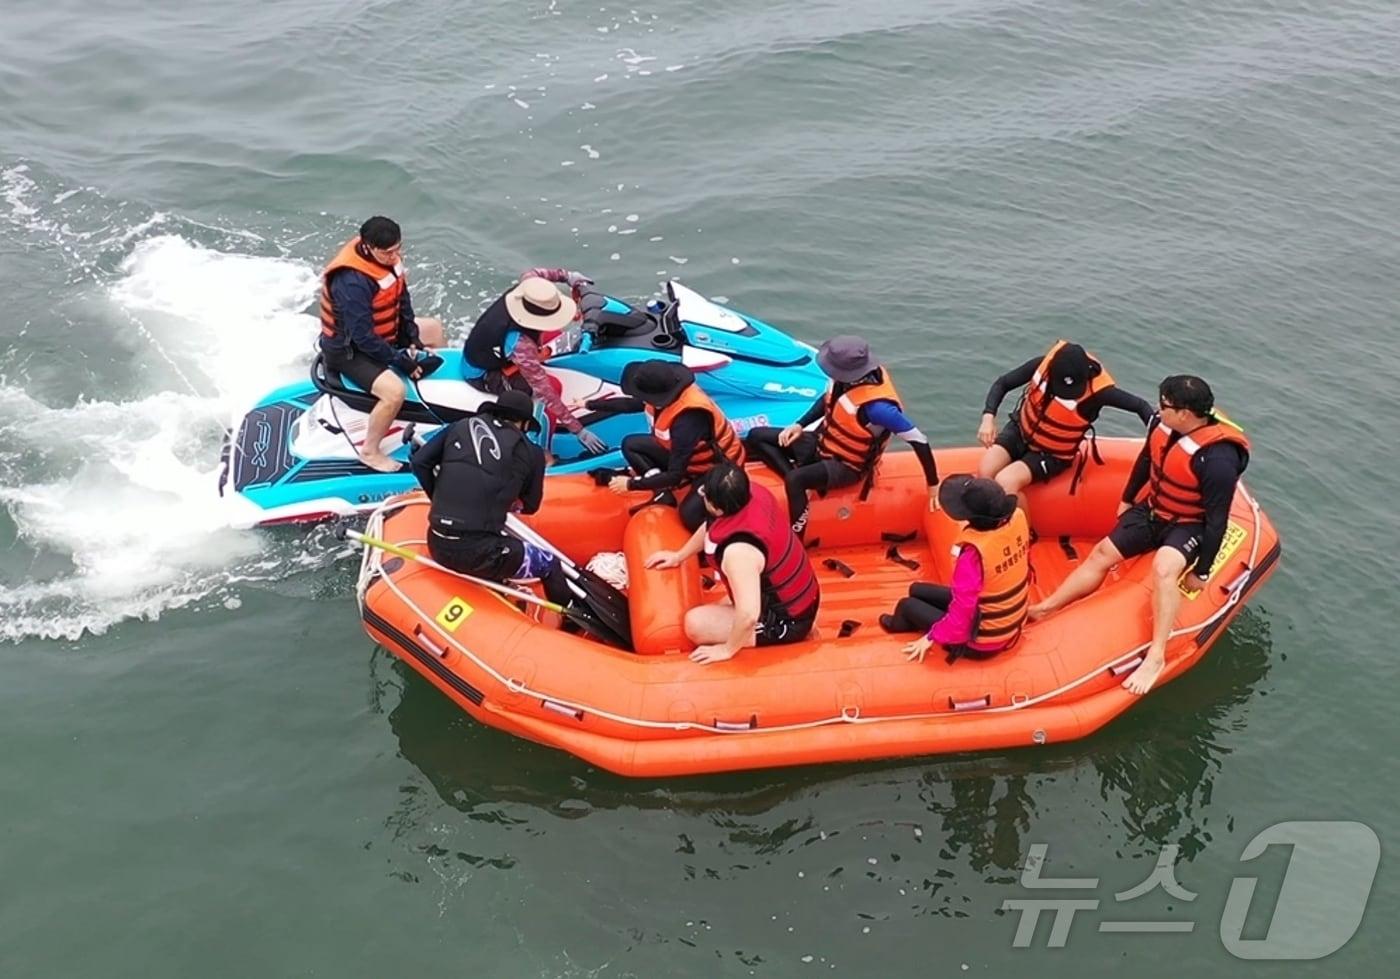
(895, 538)
(894, 555)
(848, 626)
(1081, 458)
(813, 544)
(1068, 548)
(958, 652)
(831, 564)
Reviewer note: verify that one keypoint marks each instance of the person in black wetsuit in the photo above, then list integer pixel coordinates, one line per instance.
(689, 435)
(476, 471)
(1065, 389)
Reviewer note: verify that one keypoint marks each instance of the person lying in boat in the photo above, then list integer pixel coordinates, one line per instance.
(773, 591)
(1064, 391)
(507, 343)
(981, 613)
(475, 471)
(1190, 466)
(859, 413)
(368, 326)
(689, 434)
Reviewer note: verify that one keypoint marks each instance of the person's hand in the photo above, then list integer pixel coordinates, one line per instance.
(1194, 582)
(663, 561)
(1123, 506)
(933, 498)
(407, 363)
(916, 650)
(789, 435)
(592, 443)
(987, 431)
(713, 653)
(618, 484)
(577, 279)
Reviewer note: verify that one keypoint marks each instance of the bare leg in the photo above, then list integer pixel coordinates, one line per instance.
(1083, 580)
(1167, 566)
(707, 624)
(1014, 478)
(390, 391)
(431, 332)
(993, 461)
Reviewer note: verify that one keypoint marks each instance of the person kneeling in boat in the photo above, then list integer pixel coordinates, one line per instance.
(772, 586)
(508, 343)
(859, 413)
(475, 471)
(689, 434)
(1190, 465)
(983, 611)
(368, 326)
(1064, 392)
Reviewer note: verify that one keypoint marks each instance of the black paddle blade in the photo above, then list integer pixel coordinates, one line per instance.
(587, 620)
(604, 601)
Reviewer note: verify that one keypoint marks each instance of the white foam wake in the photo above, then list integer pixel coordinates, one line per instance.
(120, 496)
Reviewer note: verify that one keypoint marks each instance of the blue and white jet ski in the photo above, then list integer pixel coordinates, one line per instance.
(293, 456)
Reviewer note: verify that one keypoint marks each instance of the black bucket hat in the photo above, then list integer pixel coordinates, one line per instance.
(971, 498)
(657, 382)
(516, 406)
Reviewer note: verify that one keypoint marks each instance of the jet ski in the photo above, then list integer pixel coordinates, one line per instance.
(293, 456)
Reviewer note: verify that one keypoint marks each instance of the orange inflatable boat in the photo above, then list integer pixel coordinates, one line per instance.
(845, 694)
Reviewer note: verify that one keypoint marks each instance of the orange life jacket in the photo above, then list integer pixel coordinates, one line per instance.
(1001, 607)
(842, 435)
(1054, 425)
(389, 283)
(723, 442)
(1173, 489)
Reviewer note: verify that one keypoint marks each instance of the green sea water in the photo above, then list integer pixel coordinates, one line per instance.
(209, 769)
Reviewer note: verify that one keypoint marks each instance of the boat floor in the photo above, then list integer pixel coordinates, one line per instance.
(879, 582)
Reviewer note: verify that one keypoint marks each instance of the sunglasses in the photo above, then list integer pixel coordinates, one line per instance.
(1166, 405)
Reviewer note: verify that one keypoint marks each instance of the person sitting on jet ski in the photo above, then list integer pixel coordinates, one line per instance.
(507, 343)
(368, 326)
(689, 434)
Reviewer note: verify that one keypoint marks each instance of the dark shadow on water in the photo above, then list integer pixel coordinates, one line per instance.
(1155, 769)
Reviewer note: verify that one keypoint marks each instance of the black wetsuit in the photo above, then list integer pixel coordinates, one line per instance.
(475, 471)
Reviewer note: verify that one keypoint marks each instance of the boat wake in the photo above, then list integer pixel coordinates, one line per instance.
(112, 410)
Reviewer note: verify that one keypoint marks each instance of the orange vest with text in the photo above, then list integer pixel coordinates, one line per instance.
(1005, 554)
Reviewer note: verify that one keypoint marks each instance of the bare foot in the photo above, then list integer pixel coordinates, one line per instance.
(1141, 679)
(379, 462)
(1039, 610)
